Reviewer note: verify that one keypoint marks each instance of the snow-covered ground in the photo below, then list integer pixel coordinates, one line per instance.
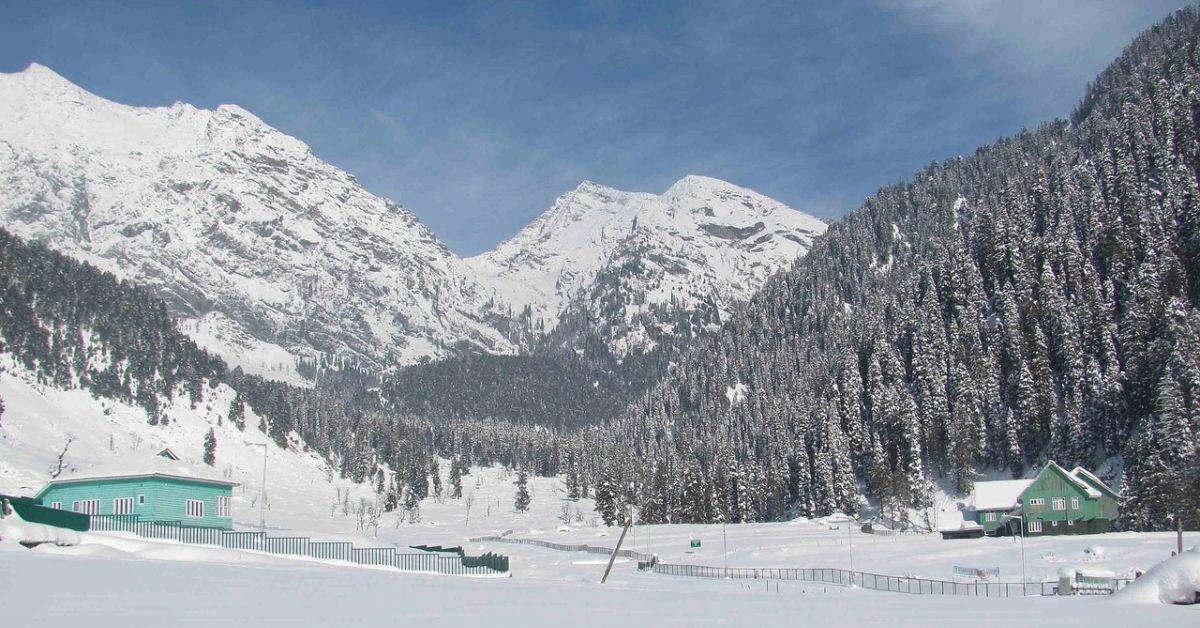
(111, 580)
(54, 589)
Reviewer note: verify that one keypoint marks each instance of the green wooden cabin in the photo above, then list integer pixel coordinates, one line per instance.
(1057, 501)
(162, 489)
(1067, 502)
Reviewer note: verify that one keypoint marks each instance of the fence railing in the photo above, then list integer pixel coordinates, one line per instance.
(564, 547)
(865, 580)
(428, 562)
(828, 575)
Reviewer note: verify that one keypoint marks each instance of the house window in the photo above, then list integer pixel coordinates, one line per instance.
(123, 506)
(195, 508)
(56, 505)
(1037, 501)
(1060, 503)
(1070, 522)
(86, 506)
(1035, 526)
(1074, 503)
(141, 500)
(1054, 524)
(991, 516)
(222, 506)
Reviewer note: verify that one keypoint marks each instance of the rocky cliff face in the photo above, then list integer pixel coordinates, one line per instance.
(266, 251)
(269, 255)
(627, 262)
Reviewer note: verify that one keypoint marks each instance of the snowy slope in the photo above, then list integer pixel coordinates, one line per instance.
(40, 421)
(238, 226)
(619, 254)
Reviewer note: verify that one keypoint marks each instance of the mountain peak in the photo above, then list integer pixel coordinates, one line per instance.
(694, 185)
(42, 80)
(41, 72)
(238, 226)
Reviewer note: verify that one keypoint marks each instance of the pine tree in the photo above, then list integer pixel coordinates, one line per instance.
(606, 499)
(455, 478)
(210, 448)
(522, 499)
(237, 412)
(572, 478)
(435, 477)
(693, 506)
(412, 505)
(418, 481)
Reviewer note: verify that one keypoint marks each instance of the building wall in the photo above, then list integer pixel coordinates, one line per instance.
(981, 517)
(165, 499)
(1052, 483)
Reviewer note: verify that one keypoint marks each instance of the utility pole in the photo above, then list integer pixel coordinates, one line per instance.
(1024, 581)
(262, 495)
(613, 557)
(1179, 534)
(850, 540)
(725, 548)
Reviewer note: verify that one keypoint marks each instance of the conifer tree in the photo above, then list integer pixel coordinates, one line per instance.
(210, 447)
(522, 499)
(455, 478)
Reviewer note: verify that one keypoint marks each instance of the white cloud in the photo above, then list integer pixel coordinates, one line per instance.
(1044, 49)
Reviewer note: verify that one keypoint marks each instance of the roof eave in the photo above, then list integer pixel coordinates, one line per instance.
(134, 476)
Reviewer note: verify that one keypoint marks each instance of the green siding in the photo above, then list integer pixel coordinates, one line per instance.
(166, 498)
(1087, 512)
(981, 517)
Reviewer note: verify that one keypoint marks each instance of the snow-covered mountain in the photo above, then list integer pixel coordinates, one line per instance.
(266, 251)
(624, 260)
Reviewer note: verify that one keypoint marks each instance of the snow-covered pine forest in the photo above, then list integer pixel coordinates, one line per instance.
(1035, 300)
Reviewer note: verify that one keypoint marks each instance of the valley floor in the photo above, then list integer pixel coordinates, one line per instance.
(52, 589)
(107, 580)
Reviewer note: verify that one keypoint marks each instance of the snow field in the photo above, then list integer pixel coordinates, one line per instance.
(114, 580)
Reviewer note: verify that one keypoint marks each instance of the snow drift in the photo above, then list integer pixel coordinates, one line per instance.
(1173, 581)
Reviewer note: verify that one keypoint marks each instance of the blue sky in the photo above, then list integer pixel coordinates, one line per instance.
(476, 115)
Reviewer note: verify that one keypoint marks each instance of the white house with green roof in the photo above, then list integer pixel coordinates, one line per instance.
(159, 488)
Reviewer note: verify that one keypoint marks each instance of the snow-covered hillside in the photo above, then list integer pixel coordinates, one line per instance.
(702, 243)
(41, 422)
(236, 225)
(267, 253)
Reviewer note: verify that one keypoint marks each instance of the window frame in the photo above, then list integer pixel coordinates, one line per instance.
(1058, 504)
(990, 517)
(122, 506)
(56, 505)
(1074, 503)
(87, 507)
(1070, 522)
(1035, 525)
(224, 503)
(1037, 501)
(141, 500)
(194, 508)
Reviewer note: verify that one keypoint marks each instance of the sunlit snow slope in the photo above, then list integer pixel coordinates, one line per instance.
(236, 225)
(702, 242)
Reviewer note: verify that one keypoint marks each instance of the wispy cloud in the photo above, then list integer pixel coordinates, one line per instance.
(1044, 51)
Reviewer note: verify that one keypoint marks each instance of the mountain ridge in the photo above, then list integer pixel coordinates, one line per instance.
(264, 251)
(221, 213)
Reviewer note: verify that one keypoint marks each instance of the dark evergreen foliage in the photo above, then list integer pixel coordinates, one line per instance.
(522, 499)
(210, 448)
(1035, 300)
